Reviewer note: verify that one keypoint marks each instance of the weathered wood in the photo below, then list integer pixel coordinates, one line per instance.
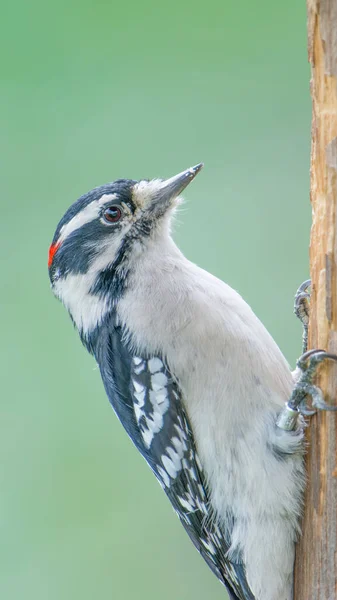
(316, 555)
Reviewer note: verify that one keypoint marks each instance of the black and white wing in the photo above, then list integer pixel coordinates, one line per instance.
(148, 403)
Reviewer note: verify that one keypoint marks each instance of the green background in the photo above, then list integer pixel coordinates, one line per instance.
(91, 92)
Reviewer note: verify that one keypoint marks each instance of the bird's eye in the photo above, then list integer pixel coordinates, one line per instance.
(112, 214)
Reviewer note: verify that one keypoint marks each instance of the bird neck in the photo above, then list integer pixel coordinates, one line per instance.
(92, 297)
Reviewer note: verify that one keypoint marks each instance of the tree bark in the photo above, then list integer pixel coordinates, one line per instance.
(316, 554)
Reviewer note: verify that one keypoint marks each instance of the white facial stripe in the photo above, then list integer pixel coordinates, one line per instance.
(87, 310)
(86, 215)
(74, 290)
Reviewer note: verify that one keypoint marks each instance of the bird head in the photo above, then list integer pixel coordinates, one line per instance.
(102, 233)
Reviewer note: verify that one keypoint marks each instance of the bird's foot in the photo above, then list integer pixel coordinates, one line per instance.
(302, 310)
(307, 366)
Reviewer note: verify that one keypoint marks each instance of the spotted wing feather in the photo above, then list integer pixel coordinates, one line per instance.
(147, 400)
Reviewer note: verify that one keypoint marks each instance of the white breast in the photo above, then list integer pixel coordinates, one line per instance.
(234, 379)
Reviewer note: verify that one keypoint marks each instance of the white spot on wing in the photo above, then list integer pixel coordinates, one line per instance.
(155, 364)
(156, 422)
(208, 545)
(179, 445)
(197, 460)
(164, 476)
(138, 369)
(193, 473)
(138, 412)
(176, 459)
(140, 397)
(138, 386)
(169, 466)
(159, 397)
(147, 436)
(185, 504)
(202, 506)
(158, 381)
(180, 431)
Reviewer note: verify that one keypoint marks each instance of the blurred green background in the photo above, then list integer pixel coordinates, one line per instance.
(91, 92)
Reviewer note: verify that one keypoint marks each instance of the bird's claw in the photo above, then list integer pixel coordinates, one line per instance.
(304, 409)
(297, 404)
(308, 364)
(302, 309)
(301, 303)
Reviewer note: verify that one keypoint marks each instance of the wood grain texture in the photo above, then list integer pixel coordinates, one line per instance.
(316, 555)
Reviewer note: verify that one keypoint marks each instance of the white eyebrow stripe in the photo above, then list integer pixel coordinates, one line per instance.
(106, 198)
(86, 215)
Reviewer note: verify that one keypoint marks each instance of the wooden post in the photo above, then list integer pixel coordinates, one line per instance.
(316, 555)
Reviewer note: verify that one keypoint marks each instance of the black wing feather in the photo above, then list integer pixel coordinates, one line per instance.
(148, 403)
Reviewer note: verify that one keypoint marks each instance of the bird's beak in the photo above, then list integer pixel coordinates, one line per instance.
(171, 188)
(165, 192)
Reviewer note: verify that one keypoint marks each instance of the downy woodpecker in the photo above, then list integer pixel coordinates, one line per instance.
(192, 374)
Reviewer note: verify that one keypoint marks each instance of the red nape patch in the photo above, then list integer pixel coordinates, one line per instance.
(53, 248)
